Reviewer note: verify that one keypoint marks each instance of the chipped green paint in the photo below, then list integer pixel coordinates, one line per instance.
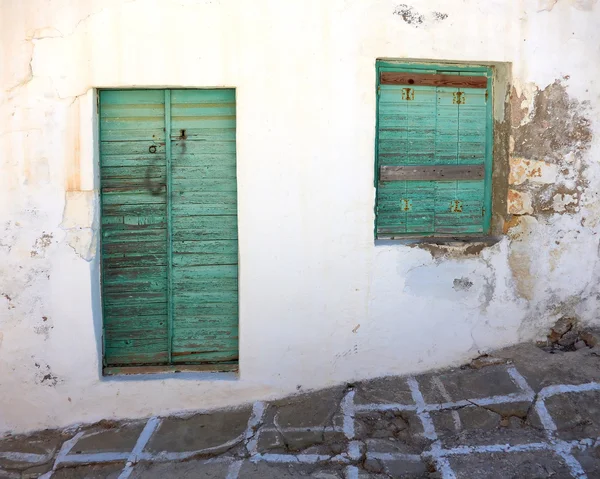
(169, 227)
(431, 126)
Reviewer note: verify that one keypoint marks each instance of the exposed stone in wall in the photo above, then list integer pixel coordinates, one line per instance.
(522, 170)
(519, 203)
(548, 145)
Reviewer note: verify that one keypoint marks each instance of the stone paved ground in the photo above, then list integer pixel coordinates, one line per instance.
(525, 413)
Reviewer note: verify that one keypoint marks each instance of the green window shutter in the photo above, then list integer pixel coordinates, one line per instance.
(432, 132)
(169, 227)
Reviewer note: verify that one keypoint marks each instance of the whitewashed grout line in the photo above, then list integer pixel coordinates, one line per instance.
(290, 458)
(583, 444)
(24, 456)
(64, 450)
(303, 429)
(234, 470)
(165, 456)
(351, 472)
(564, 451)
(442, 464)
(384, 407)
(149, 429)
(394, 456)
(437, 382)
(568, 388)
(562, 448)
(547, 422)
(95, 457)
(220, 460)
(348, 414)
(428, 428)
(354, 450)
(252, 435)
(486, 401)
(520, 381)
(492, 448)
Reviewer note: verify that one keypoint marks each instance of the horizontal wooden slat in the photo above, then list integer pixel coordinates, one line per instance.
(204, 297)
(143, 332)
(194, 228)
(218, 367)
(130, 356)
(205, 309)
(146, 309)
(437, 172)
(207, 321)
(197, 333)
(133, 148)
(205, 357)
(208, 349)
(420, 79)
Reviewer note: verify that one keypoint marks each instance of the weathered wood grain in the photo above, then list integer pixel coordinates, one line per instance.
(427, 79)
(428, 173)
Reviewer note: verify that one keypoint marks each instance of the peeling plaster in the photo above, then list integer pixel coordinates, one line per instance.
(584, 5)
(79, 222)
(549, 141)
(83, 241)
(546, 5)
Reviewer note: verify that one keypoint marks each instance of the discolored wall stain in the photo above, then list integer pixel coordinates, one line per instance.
(41, 244)
(462, 284)
(522, 230)
(411, 16)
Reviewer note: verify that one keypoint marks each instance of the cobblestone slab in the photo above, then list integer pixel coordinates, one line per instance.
(489, 420)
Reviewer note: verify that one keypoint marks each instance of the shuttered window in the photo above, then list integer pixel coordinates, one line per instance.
(169, 228)
(433, 151)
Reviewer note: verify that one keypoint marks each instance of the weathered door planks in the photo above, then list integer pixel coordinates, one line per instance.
(169, 227)
(204, 193)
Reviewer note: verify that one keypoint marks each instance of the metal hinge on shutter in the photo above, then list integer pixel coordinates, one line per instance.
(408, 94)
(458, 98)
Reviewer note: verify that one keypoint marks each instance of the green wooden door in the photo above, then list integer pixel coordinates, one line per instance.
(169, 227)
(433, 153)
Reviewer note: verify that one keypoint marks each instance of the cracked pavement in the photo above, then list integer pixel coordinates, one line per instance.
(523, 413)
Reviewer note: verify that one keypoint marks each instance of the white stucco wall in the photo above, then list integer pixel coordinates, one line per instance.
(320, 302)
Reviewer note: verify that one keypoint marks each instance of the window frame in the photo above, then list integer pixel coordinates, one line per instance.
(389, 65)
